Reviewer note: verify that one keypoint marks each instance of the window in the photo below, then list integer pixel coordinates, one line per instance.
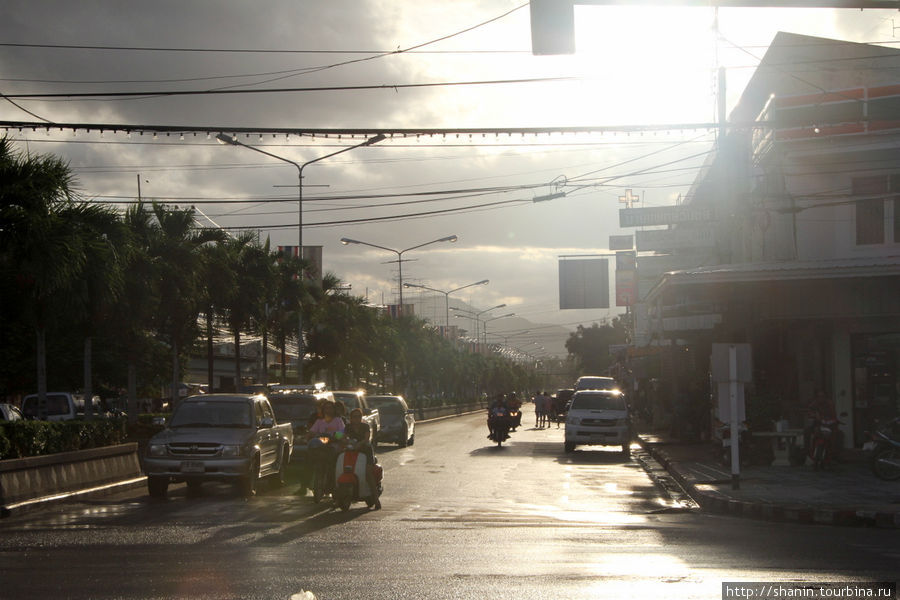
(869, 212)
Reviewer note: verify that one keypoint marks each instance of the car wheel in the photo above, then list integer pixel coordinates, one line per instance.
(404, 439)
(247, 483)
(157, 486)
(375, 439)
(281, 476)
(626, 449)
(570, 447)
(412, 439)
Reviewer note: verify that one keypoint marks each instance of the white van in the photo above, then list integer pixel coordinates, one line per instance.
(598, 417)
(61, 406)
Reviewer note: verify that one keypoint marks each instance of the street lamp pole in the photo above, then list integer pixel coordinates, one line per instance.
(399, 253)
(494, 319)
(446, 294)
(227, 139)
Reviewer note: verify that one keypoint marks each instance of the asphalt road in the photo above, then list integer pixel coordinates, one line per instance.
(461, 519)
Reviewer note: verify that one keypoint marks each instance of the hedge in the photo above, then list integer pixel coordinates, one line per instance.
(19, 439)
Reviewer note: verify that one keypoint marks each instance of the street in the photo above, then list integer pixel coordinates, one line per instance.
(461, 518)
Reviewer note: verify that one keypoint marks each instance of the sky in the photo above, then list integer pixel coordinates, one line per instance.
(632, 67)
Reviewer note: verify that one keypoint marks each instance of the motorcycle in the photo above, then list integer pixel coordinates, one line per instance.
(885, 451)
(822, 448)
(351, 482)
(515, 417)
(322, 457)
(499, 425)
(722, 444)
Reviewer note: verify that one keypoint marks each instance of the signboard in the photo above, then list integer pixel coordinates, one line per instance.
(313, 257)
(626, 288)
(621, 242)
(626, 278)
(583, 283)
(720, 363)
(664, 215)
(666, 240)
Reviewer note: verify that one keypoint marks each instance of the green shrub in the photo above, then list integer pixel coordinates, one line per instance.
(36, 438)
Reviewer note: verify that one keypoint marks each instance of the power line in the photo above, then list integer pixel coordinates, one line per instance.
(330, 88)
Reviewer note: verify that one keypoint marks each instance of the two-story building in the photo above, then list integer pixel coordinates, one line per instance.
(802, 256)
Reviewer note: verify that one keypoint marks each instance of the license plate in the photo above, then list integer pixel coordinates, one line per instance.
(192, 466)
(869, 446)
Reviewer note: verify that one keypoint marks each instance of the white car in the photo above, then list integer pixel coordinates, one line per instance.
(595, 382)
(598, 417)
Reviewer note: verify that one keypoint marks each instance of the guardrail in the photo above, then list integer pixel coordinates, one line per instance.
(426, 414)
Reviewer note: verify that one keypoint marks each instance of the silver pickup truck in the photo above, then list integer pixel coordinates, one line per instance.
(219, 437)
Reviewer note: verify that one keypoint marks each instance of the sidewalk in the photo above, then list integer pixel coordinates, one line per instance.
(846, 494)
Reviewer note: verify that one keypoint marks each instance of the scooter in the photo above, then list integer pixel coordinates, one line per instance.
(499, 425)
(350, 477)
(885, 451)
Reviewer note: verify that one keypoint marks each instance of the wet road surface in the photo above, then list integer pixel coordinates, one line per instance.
(461, 518)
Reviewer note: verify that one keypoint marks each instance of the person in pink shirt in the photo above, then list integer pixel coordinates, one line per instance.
(328, 424)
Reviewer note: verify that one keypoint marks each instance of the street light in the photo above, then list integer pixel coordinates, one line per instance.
(446, 294)
(227, 139)
(512, 314)
(475, 316)
(399, 253)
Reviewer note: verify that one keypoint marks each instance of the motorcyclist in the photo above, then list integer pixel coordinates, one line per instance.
(497, 410)
(332, 426)
(360, 431)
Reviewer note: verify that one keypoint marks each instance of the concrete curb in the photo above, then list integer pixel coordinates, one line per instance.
(782, 513)
(94, 492)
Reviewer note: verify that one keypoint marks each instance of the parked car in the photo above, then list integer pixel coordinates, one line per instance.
(598, 417)
(296, 408)
(60, 406)
(219, 437)
(595, 382)
(398, 423)
(8, 412)
(357, 399)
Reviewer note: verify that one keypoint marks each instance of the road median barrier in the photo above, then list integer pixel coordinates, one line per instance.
(26, 479)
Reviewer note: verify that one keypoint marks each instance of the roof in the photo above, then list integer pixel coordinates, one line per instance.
(841, 268)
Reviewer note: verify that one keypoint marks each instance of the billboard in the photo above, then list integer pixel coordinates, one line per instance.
(583, 283)
(313, 257)
(621, 242)
(664, 215)
(666, 240)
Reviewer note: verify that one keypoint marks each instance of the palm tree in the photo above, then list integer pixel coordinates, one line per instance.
(45, 241)
(287, 292)
(250, 266)
(175, 246)
(215, 283)
(139, 300)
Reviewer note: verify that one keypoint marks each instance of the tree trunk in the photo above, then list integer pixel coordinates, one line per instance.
(265, 358)
(88, 379)
(237, 360)
(210, 358)
(132, 392)
(41, 347)
(283, 359)
(173, 404)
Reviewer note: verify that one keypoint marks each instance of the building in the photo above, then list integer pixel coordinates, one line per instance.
(797, 247)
